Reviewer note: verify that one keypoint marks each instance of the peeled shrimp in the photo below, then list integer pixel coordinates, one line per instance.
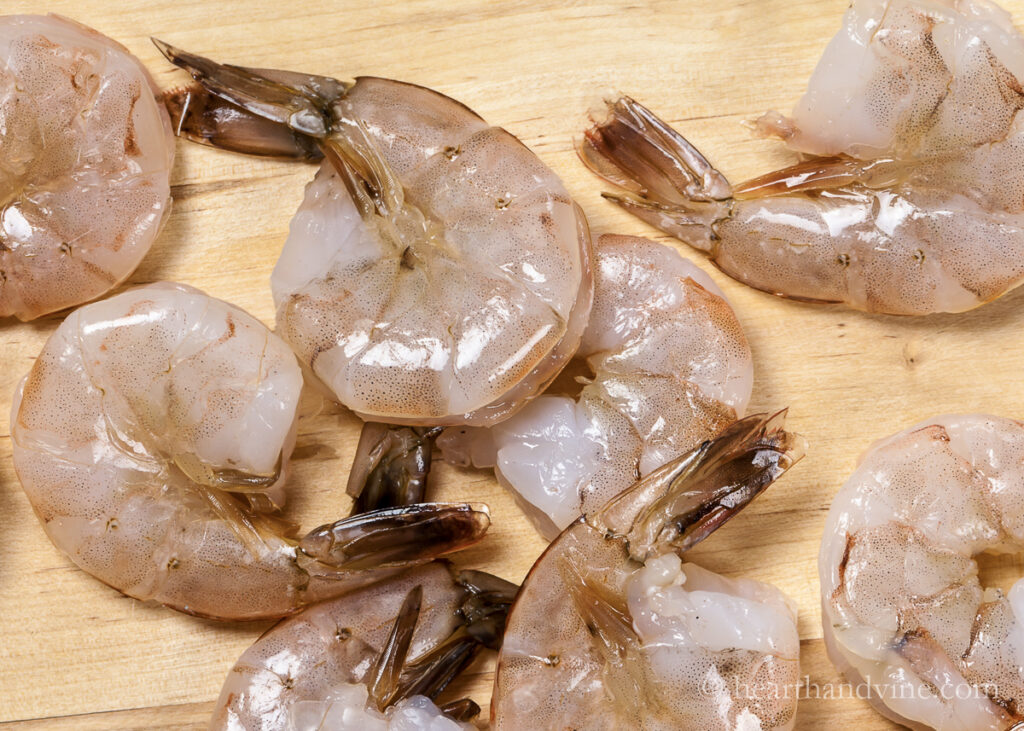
(671, 369)
(152, 438)
(85, 160)
(611, 630)
(902, 605)
(372, 660)
(436, 272)
(912, 199)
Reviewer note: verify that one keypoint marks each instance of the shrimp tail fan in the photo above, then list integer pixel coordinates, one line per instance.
(395, 537)
(485, 606)
(686, 500)
(199, 116)
(254, 111)
(666, 181)
(391, 466)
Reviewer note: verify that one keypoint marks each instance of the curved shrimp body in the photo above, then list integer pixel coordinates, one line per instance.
(913, 198)
(152, 437)
(436, 272)
(671, 368)
(902, 605)
(85, 159)
(611, 630)
(371, 660)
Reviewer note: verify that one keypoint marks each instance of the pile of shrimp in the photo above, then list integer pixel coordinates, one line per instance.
(436, 279)
(910, 200)
(85, 164)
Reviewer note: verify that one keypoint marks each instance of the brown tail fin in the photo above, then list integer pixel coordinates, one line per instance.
(682, 503)
(667, 181)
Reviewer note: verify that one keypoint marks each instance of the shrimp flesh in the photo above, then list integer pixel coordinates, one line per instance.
(671, 368)
(912, 198)
(611, 630)
(436, 272)
(902, 605)
(85, 160)
(372, 660)
(152, 439)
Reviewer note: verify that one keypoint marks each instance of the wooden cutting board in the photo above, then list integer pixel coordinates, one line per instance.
(75, 654)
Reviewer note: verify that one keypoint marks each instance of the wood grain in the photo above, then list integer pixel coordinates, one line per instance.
(76, 654)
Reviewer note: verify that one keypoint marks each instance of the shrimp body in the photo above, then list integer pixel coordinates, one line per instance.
(612, 630)
(912, 198)
(321, 669)
(152, 438)
(902, 605)
(85, 159)
(671, 368)
(436, 272)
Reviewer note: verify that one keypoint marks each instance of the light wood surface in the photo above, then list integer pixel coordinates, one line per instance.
(75, 654)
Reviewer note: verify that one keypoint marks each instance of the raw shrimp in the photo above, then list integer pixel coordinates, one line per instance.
(436, 272)
(913, 198)
(372, 660)
(85, 161)
(671, 369)
(902, 605)
(612, 631)
(152, 438)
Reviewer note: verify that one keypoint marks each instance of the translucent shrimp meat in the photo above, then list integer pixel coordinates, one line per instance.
(152, 438)
(372, 660)
(85, 160)
(903, 608)
(611, 630)
(911, 199)
(671, 368)
(436, 272)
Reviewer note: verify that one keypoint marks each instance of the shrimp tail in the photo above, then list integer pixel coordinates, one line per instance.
(685, 501)
(199, 116)
(298, 101)
(383, 680)
(310, 106)
(396, 536)
(391, 466)
(667, 182)
(483, 611)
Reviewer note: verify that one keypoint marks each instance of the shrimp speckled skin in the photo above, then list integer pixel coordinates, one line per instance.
(611, 631)
(85, 160)
(152, 438)
(912, 199)
(671, 368)
(341, 665)
(437, 272)
(902, 605)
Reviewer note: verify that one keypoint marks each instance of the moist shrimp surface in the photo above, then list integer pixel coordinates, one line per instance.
(85, 159)
(611, 630)
(152, 438)
(372, 660)
(911, 197)
(902, 605)
(436, 272)
(671, 368)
